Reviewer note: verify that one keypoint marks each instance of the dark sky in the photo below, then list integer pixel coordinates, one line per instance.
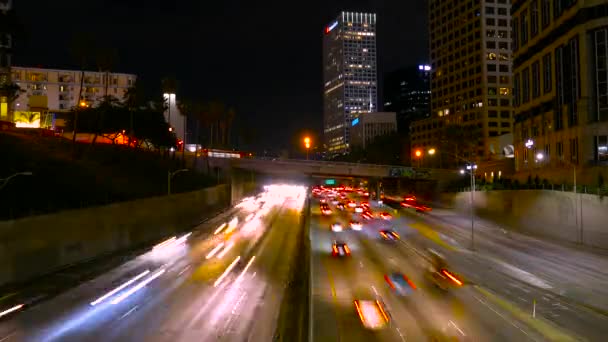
(264, 58)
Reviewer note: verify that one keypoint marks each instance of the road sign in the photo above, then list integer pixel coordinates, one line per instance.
(330, 182)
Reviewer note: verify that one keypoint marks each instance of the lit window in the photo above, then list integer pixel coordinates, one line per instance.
(505, 91)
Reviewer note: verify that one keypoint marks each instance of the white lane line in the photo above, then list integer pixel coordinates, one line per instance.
(183, 270)
(13, 309)
(245, 269)
(128, 312)
(214, 251)
(8, 336)
(375, 291)
(137, 287)
(228, 269)
(402, 335)
(111, 293)
(457, 328)
(503, 317)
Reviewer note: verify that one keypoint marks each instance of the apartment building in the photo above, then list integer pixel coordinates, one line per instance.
(561, 89)
(53, 90)
(471, 85)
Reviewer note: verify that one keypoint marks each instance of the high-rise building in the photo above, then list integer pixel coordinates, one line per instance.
(366, 128)
(349, 72)
(407, 92)
(561, 89)
(6, 91)
(471, 77)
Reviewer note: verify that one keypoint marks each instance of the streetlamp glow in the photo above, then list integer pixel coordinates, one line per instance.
(540, 156)
(432, 151)
(418, 153)
(307, 145)
(461, 171)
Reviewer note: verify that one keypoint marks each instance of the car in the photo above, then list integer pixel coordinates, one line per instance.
(358, 209)
(325, 210)
(340, 249)
(372, 313)
(355, 225)
(422, 208)
(385, 216)
(389, 235)
(335, 202)
(365, 205)
(351, 204)
(336, 227)
(367, 215)
(400, 283)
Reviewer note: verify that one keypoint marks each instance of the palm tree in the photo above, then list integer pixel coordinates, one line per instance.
(215, 112)
(81, 49)
(230, 116)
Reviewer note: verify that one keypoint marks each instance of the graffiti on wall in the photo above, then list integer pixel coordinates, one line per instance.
(409, 172)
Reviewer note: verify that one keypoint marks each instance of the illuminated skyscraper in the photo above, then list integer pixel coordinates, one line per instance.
(349, 72)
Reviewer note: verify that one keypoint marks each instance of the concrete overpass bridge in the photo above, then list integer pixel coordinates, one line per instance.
(298, 168)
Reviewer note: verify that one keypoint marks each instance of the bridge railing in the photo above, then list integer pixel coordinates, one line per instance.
(330, 163)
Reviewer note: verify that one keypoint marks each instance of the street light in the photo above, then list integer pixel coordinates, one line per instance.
(471, 169)
(307, 145)
(170, 175)
(432, 151)
(7, 179)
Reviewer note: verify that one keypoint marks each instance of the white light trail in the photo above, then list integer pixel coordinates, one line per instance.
(249, 217)
(13, 309)
(164, 243)
(111, 293)
(226, 249)
(214, 251)
(183, 238)
(245, 269)
(219, 229)
(137, 287)
(228, 269)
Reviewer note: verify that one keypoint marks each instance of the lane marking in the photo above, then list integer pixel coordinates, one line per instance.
(8, 336)
(457, 328)
(402, 335)
(183, 270)
(503, 317)
(113, 292)
(137, 287)
(214, 251)
(228, 269)
(128, 312)
(245, 269)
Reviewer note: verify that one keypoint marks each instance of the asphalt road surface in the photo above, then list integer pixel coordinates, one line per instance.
(224, 282)
(500, 300)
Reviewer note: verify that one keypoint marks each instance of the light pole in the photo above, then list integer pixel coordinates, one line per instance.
(418, 155)
(7, 179)
(471, 168)
(307, 145)
(170, 175)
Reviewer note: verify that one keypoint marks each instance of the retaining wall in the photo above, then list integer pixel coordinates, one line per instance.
(563, 216)
(38, 245)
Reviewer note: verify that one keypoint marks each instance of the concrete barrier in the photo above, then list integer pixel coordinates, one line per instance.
(563, 216)
(38, 245)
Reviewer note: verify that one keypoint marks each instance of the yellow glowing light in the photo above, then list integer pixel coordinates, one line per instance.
(432, 151)
(418, 153)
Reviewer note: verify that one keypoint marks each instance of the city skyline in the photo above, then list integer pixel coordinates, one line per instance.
(293, 55)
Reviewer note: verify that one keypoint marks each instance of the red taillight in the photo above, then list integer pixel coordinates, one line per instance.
(389, 281)
(452, 277)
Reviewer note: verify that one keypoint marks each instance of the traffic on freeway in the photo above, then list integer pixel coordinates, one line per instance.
(407, 277)
(224, 281)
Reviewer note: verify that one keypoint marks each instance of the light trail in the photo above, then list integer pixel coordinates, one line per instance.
(214, 251)
(164, 243)
(245, 269)
(226, 249)
(137, 287)
(228, 269)
(111, 293)
(13, 309)
(219, 229)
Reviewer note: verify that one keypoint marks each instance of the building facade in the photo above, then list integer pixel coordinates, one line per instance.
(366, 128)
(561, 89)
(471, 85)
(407, 92)
(6, 42)
(47, 91)
(350, 76)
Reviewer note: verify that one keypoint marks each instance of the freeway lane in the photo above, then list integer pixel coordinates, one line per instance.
(465, 314)
(510, 272)
(196, 291)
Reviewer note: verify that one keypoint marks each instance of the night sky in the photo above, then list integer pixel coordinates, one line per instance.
(264, 58)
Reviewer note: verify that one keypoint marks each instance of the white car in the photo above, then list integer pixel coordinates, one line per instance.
(356, 225)
(358, 210)
(336, 227)
(373, 313)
